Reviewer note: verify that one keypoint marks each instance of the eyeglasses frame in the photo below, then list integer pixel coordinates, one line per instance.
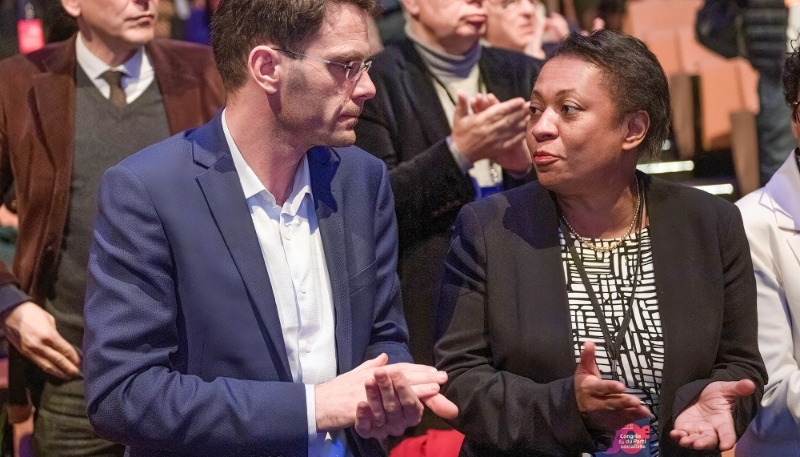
(363, 67)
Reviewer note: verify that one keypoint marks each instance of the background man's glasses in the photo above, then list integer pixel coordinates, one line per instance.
(352, 70)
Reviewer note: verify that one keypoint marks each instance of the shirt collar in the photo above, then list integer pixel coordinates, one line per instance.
(252, 186)
(94, 67)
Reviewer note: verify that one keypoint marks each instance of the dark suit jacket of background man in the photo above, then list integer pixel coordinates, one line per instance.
(37, 129)
(184, 349)
(405, 126)
(507, 336)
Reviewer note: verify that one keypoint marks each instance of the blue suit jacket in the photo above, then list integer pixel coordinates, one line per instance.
(183, 349)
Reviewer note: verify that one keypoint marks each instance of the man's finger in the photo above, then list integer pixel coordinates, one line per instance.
(49, 368)
(462, 105)
(424, 377)
(363, 420)
(379, 361)
(441, 406)
(65, 349)
(392, 409)
(375, 403)
(410, 405)
(64, 365)
(423, 391)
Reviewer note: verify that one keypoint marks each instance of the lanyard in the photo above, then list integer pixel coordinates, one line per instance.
(613, 342)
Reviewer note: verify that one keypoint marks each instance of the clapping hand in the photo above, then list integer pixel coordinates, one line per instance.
(380, 399)
(604, 404)
(708, 423)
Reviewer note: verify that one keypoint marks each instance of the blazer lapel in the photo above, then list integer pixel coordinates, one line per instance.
(223, 192)
(500, 83)
(179, 87)
(323, 163)
(422, 95)
(54, 92)
(532, 217)
(783, 190)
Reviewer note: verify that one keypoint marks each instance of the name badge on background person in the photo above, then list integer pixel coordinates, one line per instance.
(30, 33)
(487, 178)
(631, 440)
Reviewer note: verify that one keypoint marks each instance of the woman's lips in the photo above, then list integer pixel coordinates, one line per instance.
(543, 158)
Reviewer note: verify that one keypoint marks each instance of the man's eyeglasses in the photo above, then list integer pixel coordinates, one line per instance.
(352, 70)
(795, 114)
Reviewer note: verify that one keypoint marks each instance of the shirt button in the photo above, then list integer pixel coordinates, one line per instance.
(303, 288)
(287, 235)
(308, 346)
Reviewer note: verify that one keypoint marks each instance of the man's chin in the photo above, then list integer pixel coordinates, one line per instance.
(343, 139)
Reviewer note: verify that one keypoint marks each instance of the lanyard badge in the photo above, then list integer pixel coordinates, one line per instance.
(631, 440)
(30, 33)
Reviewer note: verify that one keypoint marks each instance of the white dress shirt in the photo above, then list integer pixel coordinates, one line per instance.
(137, 72)
(293, 253)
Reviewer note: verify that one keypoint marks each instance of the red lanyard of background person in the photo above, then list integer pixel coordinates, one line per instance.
(613, 343)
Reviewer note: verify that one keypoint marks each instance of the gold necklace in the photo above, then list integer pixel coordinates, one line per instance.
(617, 241)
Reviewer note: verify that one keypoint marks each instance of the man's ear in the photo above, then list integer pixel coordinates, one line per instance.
(264, 65)
(636, 124)
(72, 7)
(411, 6)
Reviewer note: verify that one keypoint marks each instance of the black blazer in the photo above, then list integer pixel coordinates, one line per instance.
(405, 126)
(506, 339)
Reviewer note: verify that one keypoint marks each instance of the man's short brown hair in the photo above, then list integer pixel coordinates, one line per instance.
(240, 25)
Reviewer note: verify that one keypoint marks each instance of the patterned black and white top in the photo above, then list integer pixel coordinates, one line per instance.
(612, 274)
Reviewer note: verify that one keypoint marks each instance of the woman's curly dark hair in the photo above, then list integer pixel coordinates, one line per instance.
(791, 75)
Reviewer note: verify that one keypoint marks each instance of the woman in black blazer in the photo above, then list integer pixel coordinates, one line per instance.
(599, 297)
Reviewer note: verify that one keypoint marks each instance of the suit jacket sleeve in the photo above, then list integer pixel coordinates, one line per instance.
(498, 410)
(10, 294)
(429, 188)
(389, 331)
(134, 396)
(738, 356)
(779, 412)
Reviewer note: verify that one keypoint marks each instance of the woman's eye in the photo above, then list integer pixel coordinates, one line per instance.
(567, 109)
(535, 111)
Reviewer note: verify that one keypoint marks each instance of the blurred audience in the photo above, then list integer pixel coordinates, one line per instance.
(523, 26)
(67, 113)
(772, 222)
(769, 34)
(644, 284)
(449, 121)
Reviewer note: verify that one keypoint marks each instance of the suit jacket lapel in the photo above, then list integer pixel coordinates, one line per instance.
(323, 163)
(223, 192)
(179, 87)
(54, 92)
(500, 83)
(422, 95)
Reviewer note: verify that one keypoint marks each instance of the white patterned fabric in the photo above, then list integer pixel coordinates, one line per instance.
(611, 275)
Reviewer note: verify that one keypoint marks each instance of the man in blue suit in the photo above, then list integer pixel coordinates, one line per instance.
(242, 295)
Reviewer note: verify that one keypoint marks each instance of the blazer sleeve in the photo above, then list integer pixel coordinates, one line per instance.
(429, 187)
(498, 410)
(779, 412)
(738, 356)
(10, 293)
(389, 330)
(134, 395)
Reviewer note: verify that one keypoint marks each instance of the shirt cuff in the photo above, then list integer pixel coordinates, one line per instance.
(461, 160)
(11, 297)
(311, 413)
